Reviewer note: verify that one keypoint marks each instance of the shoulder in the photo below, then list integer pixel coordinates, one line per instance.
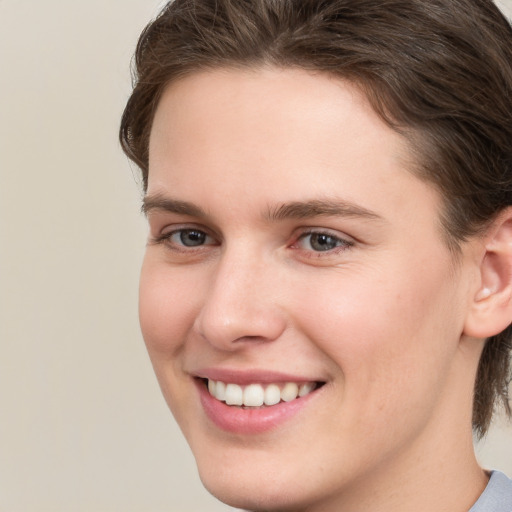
(497, 496)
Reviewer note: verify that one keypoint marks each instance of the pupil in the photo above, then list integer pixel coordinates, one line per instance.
(323, 242)
(192, 238)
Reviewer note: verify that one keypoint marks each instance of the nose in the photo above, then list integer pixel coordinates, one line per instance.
(241, 303)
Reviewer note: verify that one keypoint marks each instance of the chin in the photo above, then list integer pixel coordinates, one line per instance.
(270, 486)
(253, 495)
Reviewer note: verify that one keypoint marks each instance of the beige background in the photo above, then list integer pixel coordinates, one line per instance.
(82, 424)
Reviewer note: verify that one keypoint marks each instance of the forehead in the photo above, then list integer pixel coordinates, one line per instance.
(295, 100)
(281, 134)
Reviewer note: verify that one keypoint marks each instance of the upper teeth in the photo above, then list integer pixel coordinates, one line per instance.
(255, 395)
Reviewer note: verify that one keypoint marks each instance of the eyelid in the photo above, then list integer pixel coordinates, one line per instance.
(346, 242)
(164, 236)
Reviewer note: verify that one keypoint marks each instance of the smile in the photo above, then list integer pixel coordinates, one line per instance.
(250, 403)
(258, 395)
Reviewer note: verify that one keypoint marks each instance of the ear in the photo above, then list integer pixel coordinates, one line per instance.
(491, 307)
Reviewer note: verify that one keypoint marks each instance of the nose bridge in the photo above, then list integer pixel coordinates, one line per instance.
(240, 303)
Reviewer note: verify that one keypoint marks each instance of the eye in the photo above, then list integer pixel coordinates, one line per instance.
(184, 239)
(189, 238)
(321, 242)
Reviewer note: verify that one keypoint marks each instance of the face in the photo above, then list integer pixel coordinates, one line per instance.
(299, 306)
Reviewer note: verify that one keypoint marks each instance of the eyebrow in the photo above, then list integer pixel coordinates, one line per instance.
(167, 204)
(318, 208)
(291, 210)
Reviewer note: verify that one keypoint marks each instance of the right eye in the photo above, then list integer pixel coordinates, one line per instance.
(188, 238)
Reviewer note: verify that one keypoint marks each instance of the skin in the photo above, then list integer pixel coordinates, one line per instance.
(382, 318)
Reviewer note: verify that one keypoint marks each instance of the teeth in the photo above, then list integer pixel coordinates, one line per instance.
(220, 390)
(305, 389)
(234, 395)
(253, 395)
(256, 395)
(272, 394)
(289, 392)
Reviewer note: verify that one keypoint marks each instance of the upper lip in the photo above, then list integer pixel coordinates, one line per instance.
(252, 376)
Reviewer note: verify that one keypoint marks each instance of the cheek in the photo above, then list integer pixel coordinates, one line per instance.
(166, 315)
(166, 307)
(389, 336)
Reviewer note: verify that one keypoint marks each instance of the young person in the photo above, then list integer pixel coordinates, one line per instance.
(327, 289)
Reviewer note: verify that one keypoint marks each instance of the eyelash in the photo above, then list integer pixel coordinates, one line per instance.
(166, 238)
(341, 244)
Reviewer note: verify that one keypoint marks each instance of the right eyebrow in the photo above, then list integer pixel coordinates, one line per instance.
(158, 202)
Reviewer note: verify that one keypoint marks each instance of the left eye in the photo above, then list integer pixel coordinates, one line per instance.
(321, 242)
(190, 238)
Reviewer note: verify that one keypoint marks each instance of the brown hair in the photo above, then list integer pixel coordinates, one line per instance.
(437, 71)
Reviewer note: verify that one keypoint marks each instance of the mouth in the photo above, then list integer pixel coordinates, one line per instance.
(259, 396)
(254, 402)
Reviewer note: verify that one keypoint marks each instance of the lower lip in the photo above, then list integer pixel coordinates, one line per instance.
(251, 420)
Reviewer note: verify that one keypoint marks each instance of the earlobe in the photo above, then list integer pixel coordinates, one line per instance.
(491, 307)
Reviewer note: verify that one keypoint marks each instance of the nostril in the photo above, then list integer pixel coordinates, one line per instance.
(250, 339)
(235, 312)
(229, 331)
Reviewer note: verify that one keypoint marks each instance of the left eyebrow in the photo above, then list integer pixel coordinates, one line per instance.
(318, 208)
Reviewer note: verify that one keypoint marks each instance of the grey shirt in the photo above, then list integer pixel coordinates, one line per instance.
(497, 496)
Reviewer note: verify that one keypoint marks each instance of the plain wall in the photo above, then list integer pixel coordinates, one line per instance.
(83, 426)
